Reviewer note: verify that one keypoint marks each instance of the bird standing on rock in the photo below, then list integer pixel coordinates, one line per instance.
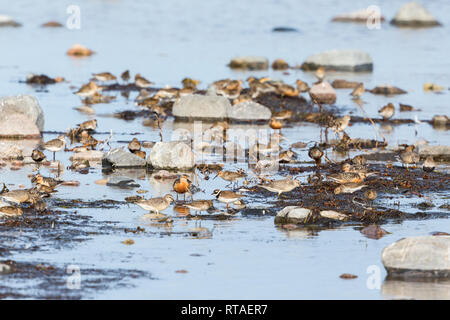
(428, 164)
(125, 76)
(141, 82)
(134, 145)
(316, 154)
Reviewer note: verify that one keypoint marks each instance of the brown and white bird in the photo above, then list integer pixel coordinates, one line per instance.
(104, 76)
(280, 186)
(226, 196)
(428, 164)
(231, 176)
(370, 195)
(409, 156)
(89, 125)
(141, 82)
(37, 155)
(387, 111)
(156, 204)
(134, 145)
(358, 91)
(46, 181)
(320, 74)
(88, 89)
(340, 124)
(199, 205)
(125, 76)
(316, 154)
(350, 187)
(55, 145)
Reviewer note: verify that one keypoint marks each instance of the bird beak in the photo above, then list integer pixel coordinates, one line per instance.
(216, 175)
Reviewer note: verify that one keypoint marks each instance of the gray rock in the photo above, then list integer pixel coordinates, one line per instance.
(292, 214)
(362, 16)
(90, 155)
(417, 290)
(438, 152)
(120, 158)
(330, 214)
(323, 93)
(6, 21)
(171, 155)
(23, 104)
(340, 60)
(413, 14)
(198, 106)
(122, 182)
(249, 110)
(418, 257)
(249, 63)
(18, 126)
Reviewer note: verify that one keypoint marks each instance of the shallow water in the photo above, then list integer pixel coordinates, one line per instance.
(165, 41)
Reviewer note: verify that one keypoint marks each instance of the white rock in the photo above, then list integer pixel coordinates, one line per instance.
(171, 155)
(340, 60)
(249, 110)
(413, 14)
(19, 126)
(24, 104)
(199, 106)
(292, 214)
(330, 214)
(4, 268)
(425, 256)
(435, 151)
(10, 152)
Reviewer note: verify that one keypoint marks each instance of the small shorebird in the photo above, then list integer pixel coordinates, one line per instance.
(387, 111)
(282, 115)
(125, 75)
(358, 91)
(275, 124)
(199, 205)
(316, 154)
(140, 154)
(37, 155)
(190, 83)
(19, 196)
(226, 196)
(428, 164)
(104, 76)
(286, 90)
(340, 124)
(286, 156)
(347, 167)
(46, 181)
(279, 186)
(359, 160)
(182, 185)
(55, 145)
(134, 145)
(320, 74)
(88, 90)
(141, 82)
(302, 86)
(347, 177)
(231, 176)
(349, 188)
(408, 156)
(89, 125)
(156, 204)
(370, 195)
(10, 211)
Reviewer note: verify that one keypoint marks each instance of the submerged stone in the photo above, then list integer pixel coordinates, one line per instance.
(119, 158)
(249, 62)
(292, 214)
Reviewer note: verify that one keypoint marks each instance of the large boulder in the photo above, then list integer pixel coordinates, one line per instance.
(249, 110)
(418, 257)
(19, 126)
(323, 93)
(6, 21)
(25, 105)
(171, 155)
(199, 106)
(340, 60)
(249, 63)
(119, 158)
(412, 14)
(438, 151)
